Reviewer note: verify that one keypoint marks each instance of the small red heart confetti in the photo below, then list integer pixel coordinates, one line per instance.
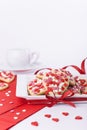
(65, 113)
(55, 119)
(78, 118)
(47, 115)
(34, 123)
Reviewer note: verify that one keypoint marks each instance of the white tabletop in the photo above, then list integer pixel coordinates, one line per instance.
(64, 123)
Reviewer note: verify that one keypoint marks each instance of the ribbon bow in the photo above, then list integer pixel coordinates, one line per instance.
(52, 100)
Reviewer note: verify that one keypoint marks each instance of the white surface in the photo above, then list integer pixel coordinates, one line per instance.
(58, 30)
(65, 123)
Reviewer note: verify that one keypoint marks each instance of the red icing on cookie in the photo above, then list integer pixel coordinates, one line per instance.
(6, 74)
(2, 84)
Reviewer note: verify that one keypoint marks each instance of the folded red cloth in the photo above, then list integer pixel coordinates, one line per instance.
(18, 114)
(8, 99)
(13, 107)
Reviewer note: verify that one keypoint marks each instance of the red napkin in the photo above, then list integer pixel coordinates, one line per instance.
(8, 100)
(16, 115)
(14, 109)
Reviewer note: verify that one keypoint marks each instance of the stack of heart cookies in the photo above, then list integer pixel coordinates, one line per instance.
(57, 80)
(5, 78)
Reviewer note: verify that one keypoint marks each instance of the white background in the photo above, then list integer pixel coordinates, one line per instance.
(57, 29)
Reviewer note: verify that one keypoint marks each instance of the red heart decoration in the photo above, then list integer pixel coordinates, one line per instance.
(47, 115)
(78, 118)
(55, 119)
(34, 123)
(65, 113)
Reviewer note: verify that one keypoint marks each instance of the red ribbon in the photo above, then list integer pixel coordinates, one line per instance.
(54, 100)
(42, 69)
(83, 66)
(76, 99)
(75, 67)
(80, 70)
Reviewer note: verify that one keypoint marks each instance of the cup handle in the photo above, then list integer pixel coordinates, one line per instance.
(34, 57)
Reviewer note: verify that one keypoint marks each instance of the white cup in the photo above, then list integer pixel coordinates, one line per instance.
(20, 58)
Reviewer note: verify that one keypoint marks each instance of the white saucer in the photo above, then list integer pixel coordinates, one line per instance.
(25, 69)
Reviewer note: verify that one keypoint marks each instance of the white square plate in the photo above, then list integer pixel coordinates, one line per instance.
(21, 88)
